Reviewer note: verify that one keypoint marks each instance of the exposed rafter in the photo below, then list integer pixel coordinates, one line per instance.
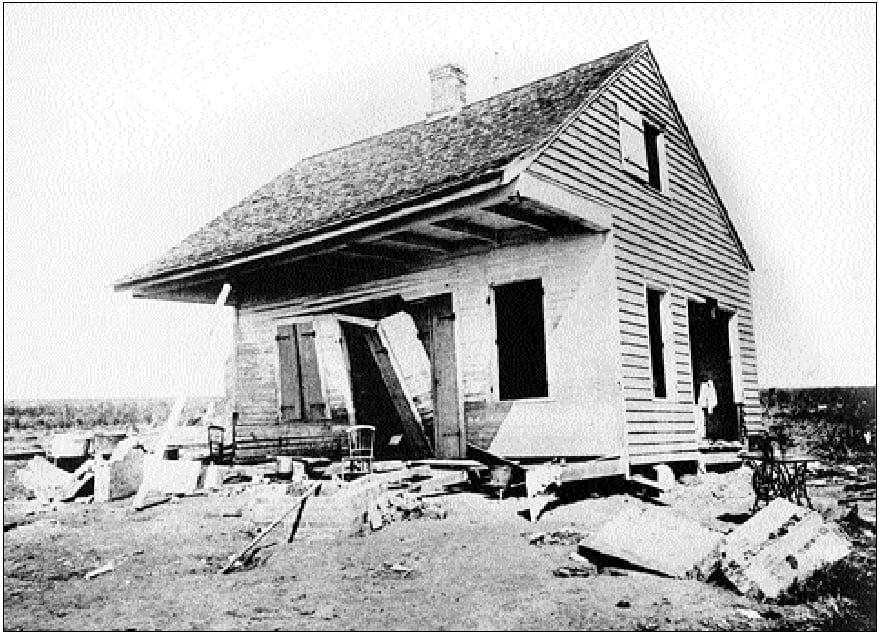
(376, 251)
(423, 241)
(515, 212)
(475, 230)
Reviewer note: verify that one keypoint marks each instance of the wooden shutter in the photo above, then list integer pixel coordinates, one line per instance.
(312, 394)
(633, 151)
(663, 162)
(288, 373)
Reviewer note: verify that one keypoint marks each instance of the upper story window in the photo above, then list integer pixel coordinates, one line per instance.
(642, 148)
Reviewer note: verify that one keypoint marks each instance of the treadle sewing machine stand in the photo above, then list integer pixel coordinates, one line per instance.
(778, 473)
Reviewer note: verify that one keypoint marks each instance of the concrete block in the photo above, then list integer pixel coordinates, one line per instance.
(333, 516)
(782, 544)
(170, 476)
(654, 539)
(120, 478)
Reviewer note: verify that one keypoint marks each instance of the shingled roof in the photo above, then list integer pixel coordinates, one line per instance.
(341, 185)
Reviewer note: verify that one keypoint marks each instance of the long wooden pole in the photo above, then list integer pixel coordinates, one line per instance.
(298, 504)
(171, 422)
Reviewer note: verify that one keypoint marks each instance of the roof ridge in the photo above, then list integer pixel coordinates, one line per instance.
(425, 122)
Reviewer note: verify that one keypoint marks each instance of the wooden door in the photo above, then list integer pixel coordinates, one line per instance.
(450, 436)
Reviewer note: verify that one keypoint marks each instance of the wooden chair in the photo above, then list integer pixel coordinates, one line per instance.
(218, 453)
(360, 446)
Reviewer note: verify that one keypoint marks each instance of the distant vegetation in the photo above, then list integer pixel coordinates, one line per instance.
(852, 410)
(96, 414)
(836, 423)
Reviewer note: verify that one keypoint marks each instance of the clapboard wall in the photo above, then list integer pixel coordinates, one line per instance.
(562, 263)
(677, 240)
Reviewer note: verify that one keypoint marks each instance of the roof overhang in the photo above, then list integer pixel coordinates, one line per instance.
(480, 217)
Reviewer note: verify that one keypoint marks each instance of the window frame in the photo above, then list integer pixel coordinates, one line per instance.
(652, 135)
(666, 332)
(496, 388)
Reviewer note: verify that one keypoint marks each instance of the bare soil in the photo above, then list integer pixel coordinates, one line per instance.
(473, 570)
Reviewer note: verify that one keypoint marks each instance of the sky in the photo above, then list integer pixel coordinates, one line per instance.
(127, 127)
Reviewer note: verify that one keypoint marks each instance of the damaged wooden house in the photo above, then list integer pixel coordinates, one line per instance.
(546, 273)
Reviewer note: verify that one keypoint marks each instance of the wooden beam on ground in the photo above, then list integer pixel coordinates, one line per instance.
(488, 458)
(468, 228)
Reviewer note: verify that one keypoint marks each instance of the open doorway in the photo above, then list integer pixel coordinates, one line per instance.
(712, 369)
(403, 376)
(372, 400)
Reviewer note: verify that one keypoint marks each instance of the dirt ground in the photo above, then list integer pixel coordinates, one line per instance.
(473, 570)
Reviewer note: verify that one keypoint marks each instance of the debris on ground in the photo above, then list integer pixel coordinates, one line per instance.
(781, 545)
(108, 567)
(121, 475)
(651, 538)
(48, 483)
(373, 501)
(564, 536)
(295, 506)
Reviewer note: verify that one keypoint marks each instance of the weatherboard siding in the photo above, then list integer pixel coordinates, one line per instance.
(561, 263)
(676, 240)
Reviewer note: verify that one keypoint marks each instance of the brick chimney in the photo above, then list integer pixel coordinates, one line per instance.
(448, 91)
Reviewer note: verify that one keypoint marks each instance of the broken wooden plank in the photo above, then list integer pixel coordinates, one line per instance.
(647, 482)
(176, 411)
(441, 481)
(108, 567)
(488, 458)
(541, 485)
(81, 478)
(652, 538)
(296, 506)
(406, 410)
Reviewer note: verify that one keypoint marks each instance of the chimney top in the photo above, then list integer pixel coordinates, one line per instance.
(448, 91)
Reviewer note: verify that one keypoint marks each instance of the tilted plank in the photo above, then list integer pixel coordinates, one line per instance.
(412, 429)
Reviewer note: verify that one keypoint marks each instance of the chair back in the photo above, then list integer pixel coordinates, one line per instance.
(215, 443)
(360, 441)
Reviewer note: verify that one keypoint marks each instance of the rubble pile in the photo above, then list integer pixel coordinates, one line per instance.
(708, 497)
(370, 503)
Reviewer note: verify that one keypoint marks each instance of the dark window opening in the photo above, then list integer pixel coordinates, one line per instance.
(521, 345)
(657, 354)
(651, 136)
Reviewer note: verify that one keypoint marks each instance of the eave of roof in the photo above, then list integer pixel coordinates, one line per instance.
(390, 170)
